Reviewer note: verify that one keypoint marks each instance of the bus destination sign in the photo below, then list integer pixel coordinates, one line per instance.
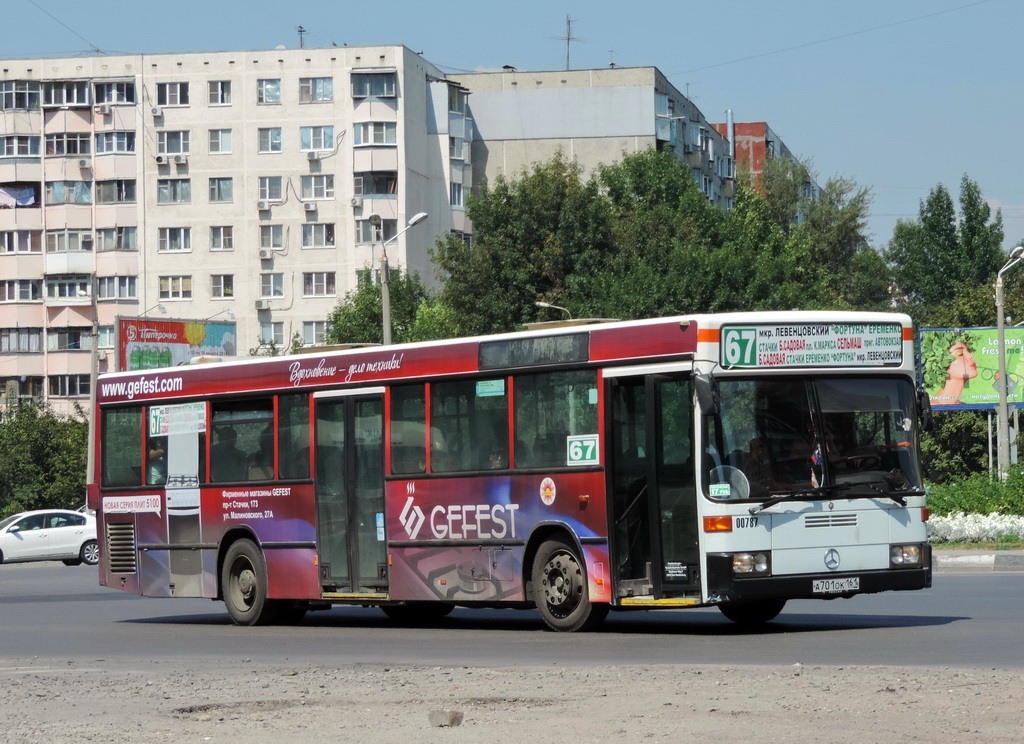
(812, 345)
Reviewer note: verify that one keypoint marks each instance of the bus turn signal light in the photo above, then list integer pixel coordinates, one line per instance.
(718, 524)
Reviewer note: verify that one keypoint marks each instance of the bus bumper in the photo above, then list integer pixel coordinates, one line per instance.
(724, 586)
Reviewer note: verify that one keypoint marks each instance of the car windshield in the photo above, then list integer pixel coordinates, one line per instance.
(812, 437)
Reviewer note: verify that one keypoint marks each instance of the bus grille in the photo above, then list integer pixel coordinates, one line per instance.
(121, 548)
(830, 520)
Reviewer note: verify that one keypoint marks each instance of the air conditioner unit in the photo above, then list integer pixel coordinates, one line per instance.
(84, 163)
(356, 201)
(101, 355)
(161, 160)
(312, 155)
(156, 111)
(262, 304)
(266, 254)
(181, 159)
(263, 205)
(103, 109)
(309, 206)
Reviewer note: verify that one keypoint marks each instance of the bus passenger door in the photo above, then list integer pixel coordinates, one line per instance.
(653, 487)
(350, 494)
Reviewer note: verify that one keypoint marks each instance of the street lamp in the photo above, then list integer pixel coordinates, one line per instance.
(385, 279)
(160, 307)
(1003, 412)
(541, 303)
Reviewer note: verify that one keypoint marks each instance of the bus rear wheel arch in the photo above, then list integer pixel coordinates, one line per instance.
(560, 588)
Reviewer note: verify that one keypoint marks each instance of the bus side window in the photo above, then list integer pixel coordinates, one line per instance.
(121, 447)
(408, 430)
(293, 435)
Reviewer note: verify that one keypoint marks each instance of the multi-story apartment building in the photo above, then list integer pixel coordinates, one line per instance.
(755, 142)
(209, 185)
(592, 117)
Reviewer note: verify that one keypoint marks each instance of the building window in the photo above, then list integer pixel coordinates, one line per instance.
(457, 149)
(270, 188)
(69, 386)
(116, 287)
(66, 93)
(20, 94)
(317, 235)
(174, 239)
(272, 333)
(220, 141)
(316, 138)
(268, 91)
(173, 191)
(222, 286)
(176, 288)
(68, 241)
(316, 90)
(271, 285)
(21, 340)
(21, 241)
(172, 143)
(379, 84)
(116, 239)
(172, 94)
(270, 139)
(67, 144)
(19, 146)
(376, 183)
(68, 339)
(115, 92)
(21, 290)
(314, 332)
(68, 192)
(222, 238)
(455, 192)
(68, 287)
(219, 92)
(220, 189)
(318, 284)
(107, 337)
(115, 142)
(317, 187)
(365, 232)
(376, 133)
(120, 191)
(272, 236)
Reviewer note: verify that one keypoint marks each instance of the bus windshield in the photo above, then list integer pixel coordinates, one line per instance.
(841, 436)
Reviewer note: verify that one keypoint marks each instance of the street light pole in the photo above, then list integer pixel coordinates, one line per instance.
(1003, 411)
(385, 275)
(94, 367)
(541, 303)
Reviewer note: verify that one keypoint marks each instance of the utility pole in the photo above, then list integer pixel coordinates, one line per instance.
(302, 32)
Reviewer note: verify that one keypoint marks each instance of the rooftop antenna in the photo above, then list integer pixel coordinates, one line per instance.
(568, 39)
(611, 58)
(302, 32)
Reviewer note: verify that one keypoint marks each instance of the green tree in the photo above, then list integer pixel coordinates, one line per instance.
(44, 458)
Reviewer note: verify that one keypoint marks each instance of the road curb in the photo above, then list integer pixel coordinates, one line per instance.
(952, 562)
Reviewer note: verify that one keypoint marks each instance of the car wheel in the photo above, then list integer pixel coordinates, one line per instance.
(89, 554)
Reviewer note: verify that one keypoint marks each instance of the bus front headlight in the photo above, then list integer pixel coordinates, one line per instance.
(751, 564)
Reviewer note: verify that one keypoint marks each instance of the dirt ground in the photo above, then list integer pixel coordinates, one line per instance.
(148, 702)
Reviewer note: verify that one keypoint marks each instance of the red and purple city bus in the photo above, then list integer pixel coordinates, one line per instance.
(733, 460)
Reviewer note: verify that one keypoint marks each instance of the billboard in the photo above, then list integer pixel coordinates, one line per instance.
(147, 343)
(959, 367)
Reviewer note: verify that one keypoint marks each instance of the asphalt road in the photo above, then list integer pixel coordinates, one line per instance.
(50, 611)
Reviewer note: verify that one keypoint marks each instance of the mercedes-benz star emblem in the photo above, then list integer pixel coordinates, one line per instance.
(831, 559)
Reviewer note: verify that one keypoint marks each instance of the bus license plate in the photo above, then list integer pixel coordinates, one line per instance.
(836, 586)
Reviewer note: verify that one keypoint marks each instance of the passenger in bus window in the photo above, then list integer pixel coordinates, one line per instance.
(156, 471)
(227, 461)
(261, 462)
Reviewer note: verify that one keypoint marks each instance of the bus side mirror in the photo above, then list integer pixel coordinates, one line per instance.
(924, 409)
(707, 394)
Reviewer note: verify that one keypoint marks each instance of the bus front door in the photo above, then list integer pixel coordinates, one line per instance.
(653, 487)
(350, 494)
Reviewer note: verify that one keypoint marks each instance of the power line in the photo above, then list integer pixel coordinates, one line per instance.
(58, 20)
(832, 38)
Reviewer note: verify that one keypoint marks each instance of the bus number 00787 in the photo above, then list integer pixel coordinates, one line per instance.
(742, 522)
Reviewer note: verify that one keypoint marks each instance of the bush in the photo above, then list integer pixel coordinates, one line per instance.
(980, 494)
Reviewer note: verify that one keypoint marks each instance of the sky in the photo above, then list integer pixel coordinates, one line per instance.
(899, 97)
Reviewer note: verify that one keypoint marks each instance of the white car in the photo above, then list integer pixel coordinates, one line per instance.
(49, 535)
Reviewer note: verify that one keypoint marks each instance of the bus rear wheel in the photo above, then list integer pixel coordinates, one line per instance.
(244, 584)
(751, 614)
(560, 589)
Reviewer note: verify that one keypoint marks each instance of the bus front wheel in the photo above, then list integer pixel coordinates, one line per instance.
(750, 614)
(560, 588)
(244, 584)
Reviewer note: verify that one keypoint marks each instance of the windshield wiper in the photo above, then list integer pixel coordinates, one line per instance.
(803, 494)
(898, 494)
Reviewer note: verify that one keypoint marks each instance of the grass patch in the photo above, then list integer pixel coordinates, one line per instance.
(1010, 544)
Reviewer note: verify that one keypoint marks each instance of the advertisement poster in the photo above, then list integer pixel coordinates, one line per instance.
(959, 366)
(145, 343)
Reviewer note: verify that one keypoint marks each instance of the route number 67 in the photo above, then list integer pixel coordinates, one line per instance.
(582, 450)
(739, 347)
